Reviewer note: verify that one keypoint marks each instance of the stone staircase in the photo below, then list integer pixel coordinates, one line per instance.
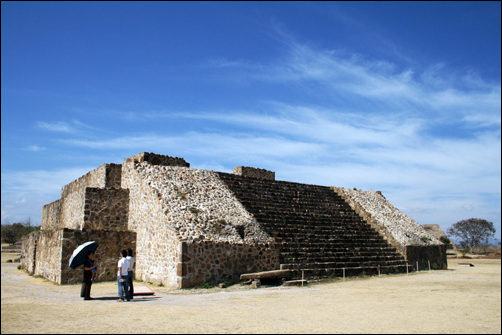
(316, 230)
(14, 248)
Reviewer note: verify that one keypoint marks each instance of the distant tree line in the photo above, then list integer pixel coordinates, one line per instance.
(13, 232)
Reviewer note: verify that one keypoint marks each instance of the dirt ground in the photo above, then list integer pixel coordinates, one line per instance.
(458, 300)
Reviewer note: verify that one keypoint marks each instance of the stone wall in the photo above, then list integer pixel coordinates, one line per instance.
(72, 210)
(113, 175)
(48, 255)
(94, 178)
(106, 208)
(246, 171)
(110, 244)
(157, 240)
(68, 212)
(28, 251)
(155, 159)
(51, 214)
(435, 254)
(207, 261)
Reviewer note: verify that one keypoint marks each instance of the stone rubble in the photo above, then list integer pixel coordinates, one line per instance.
(199, 206)
(402, 228)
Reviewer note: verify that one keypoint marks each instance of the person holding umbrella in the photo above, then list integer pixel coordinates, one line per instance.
(84, 254)
(89, 265)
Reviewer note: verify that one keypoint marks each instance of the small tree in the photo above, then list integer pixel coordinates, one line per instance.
(472, 232)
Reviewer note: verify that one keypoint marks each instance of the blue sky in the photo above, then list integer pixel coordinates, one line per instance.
(401, 97)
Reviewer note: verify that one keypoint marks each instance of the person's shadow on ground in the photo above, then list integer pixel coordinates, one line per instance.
(135, 299)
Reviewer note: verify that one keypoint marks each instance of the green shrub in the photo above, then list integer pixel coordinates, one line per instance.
(205, 285)
(464, 251)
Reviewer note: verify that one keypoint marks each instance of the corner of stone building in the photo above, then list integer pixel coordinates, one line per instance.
(422, 257)
(251, 172)
(156, 159)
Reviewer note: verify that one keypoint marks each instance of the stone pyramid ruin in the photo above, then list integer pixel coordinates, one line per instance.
(191, 226)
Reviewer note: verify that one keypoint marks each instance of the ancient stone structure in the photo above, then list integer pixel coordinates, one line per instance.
(190, 226)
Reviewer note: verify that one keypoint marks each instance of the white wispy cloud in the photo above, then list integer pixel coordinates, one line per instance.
(45, 182)
(24, 193)
(35, 148)
(431, 92)
(73, 127)
(59, 126)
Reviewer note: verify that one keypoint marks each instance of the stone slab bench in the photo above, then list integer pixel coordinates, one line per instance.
(142, 290)
(465, 264)
(278, 274)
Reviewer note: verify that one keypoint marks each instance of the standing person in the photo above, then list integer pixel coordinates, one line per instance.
(130, 275)
(89, 265)
(122, 274)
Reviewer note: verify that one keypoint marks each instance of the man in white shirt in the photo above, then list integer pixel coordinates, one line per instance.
(130, 275)
(123, 265)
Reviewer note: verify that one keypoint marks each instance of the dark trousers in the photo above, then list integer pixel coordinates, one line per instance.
(85, 290)
(124, 292)
(129, 284)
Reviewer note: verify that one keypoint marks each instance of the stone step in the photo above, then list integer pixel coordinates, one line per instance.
(337, 251)
(289, 244)
(332, 243)
(336, 264)
(332, 229)
(315, 224)
(344, 258)
(333, 236)
(349, 272)
(316, 230)
(336, 254)
(298, 282)
(308, 219)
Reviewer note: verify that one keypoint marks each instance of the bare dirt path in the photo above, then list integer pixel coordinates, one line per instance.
(458, 300)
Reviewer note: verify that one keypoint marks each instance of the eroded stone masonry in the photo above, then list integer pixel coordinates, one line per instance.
(190, 226)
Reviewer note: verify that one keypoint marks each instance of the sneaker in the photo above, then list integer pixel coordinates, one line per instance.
(119, 300)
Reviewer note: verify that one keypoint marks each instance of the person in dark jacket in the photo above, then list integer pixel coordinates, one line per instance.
(130, 277)
(89, 265)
